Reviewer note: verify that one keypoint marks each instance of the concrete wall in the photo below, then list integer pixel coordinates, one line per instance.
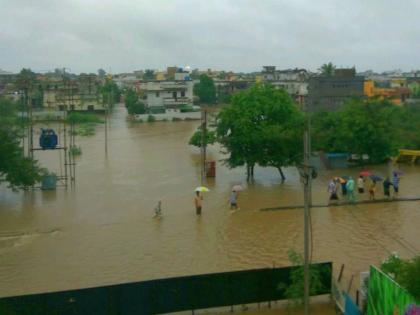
(329, 93)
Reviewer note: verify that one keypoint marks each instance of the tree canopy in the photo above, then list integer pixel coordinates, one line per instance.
(205, 90)
(132, 103)
(261, 126)
(196, 139)
(15, 169)
(371, 127)
(110, 92)
(327, 69)
(149, 74)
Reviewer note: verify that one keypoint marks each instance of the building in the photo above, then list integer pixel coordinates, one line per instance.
(330, 92)
(166, 94)
(294, 81)
(81, 94)
(396, 92)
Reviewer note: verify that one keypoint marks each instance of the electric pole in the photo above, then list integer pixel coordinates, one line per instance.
(307, 180)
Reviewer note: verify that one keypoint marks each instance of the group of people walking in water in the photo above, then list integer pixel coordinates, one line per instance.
(348, 186)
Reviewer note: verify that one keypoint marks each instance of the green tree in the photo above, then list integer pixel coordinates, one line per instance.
(205, 90)
(294, 291)
(137, 108)
(405, 272)
(262, 126)
(132, 103)
(414, 89)
(130, 98)
(327, 69)
(360, 127)
(196, 139)
(149, 74)
(15, 169)
(25, 82)
(110, 92)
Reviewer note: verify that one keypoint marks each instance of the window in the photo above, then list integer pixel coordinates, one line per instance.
(157, 94)
(174, 94)
(182, 94)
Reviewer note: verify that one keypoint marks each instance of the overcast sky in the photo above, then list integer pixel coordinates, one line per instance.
(239, 35)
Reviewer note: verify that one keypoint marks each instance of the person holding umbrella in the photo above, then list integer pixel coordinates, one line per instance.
(350, 190)
(233, 200)
(198, 199)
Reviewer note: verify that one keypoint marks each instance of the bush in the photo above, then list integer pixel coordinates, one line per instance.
(151, 118)
(75, 150)
(83, 118)
(137, 108)
(295, 291)
(176, 119)
(85, 130)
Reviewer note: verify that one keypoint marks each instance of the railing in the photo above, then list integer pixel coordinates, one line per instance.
(165, 295)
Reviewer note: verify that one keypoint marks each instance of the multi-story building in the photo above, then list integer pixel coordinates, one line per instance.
(78, 95)
(166, 94)
(330, 92)
(294, 81)
(397, 93)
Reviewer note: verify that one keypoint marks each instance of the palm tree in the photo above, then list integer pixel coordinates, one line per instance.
(327, 69)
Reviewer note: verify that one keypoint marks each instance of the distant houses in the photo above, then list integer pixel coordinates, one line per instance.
(81, 94)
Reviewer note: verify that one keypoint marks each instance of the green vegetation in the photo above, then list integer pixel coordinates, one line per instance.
(205, 90)
(151, 118)
(132, 103)
(404, 272)
(15, 169)
(196, 139)
(176, 119)
(414, 89)
(110, 92)
(262, 126)
(85, 130)
(32, 91)
(295, 291)
(83, 118)
(75, 150)
(327, 69)
(149, 74)
(373, 127)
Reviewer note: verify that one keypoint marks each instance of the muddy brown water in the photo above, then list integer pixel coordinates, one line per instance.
(103, 231)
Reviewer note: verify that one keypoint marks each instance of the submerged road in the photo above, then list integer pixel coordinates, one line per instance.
(103, 232)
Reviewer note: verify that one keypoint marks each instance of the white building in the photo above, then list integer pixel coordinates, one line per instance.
(294, 81)
(167, 94)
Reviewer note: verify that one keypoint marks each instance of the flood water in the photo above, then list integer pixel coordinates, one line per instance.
(103, 231)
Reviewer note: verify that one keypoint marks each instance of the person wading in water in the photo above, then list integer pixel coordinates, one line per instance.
(198, 201)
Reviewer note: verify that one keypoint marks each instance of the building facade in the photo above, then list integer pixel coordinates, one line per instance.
(330, 92)
(293, 81)
(166, 94)
(79, 95)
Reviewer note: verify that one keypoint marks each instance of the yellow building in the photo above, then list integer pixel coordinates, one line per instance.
(397, 94)
(160, 76)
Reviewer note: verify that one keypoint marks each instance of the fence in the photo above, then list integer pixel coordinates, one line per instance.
(164, 295)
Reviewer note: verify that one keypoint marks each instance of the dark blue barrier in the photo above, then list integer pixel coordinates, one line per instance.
(164, 295)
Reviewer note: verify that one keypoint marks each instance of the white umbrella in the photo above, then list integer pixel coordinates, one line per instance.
(237, 188)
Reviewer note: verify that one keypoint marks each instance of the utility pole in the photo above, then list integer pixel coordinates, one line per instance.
(106, 124)
(203, 144)
(307, 178)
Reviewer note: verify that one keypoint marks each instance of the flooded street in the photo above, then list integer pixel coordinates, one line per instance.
(103, 231)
